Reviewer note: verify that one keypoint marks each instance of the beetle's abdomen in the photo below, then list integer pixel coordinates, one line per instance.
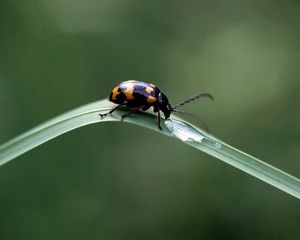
(133, 93)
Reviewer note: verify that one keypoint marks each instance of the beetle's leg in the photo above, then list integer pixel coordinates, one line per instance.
(158, 120)
(110, 111)
(129, 113)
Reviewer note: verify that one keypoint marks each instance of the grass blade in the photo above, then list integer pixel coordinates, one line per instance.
(175, 127)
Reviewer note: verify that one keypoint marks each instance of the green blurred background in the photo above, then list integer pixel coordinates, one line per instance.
(119, 181)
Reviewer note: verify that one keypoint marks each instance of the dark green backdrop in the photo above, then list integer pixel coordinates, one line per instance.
(118, 181)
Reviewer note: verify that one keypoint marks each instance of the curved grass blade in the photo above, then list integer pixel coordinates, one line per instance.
(175, 127)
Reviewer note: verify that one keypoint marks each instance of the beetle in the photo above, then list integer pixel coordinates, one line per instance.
(137, 95)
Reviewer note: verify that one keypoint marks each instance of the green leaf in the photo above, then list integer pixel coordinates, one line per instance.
(174, 127)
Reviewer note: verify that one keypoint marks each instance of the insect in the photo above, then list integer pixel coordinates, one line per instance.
(138, 96)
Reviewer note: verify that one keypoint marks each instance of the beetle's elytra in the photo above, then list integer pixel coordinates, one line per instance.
(138, 95)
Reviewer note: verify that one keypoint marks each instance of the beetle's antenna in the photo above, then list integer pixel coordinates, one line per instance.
(195, 117)
(192, 99)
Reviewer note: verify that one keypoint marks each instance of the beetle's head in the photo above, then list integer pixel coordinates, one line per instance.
(164, 105)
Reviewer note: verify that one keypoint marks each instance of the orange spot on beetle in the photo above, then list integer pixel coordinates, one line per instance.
(129, 91)
(151, 99)
(149, 90)
(115, 92)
